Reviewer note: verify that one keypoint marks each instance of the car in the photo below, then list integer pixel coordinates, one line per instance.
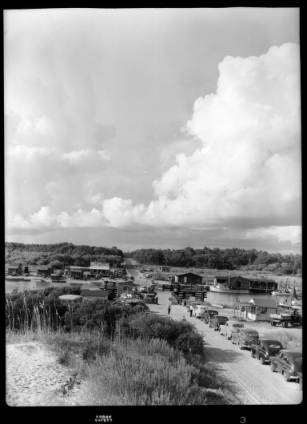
(265, 349)
(199, 310)
(209, 313)
(230, 327)
(216, 321)
(289, 364)
(245, 338)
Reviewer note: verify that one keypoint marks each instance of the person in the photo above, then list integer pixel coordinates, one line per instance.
(169, 309)
(191, 310)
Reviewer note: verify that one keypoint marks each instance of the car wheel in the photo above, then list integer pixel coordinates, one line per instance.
(273, 368)
(262, 360)
(286, 375)
(240, 346)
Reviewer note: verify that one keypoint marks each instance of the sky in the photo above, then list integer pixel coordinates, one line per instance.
(153, 127)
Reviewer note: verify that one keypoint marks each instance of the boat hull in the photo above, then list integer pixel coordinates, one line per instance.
(228, 290)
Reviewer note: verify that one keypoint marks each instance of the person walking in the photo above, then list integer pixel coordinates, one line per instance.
(191, 310)
(169, 309)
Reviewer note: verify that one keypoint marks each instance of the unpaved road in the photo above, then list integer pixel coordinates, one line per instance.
(34, 376)
(253, 382)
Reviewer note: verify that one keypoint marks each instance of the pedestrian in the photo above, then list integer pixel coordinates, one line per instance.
(191, 310)
(169, 309)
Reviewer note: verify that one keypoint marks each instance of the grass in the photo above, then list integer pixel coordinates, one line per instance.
(132, 372)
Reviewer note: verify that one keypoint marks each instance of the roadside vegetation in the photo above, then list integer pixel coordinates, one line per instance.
(125, 355)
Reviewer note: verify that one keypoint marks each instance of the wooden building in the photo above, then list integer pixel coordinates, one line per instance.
(256, 309)
(188, 278)
(43, 271)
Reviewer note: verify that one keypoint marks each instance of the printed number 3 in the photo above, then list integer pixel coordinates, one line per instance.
(242, 420)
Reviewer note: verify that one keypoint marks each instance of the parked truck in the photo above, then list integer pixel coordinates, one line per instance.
(285, 319)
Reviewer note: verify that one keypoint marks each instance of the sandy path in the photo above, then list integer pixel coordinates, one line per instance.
(253, 382)
(34, 377)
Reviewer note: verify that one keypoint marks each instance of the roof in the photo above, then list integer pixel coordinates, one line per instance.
(77, 268)
(265, 303)
(70, 297)
(100, 265)
(189, 273)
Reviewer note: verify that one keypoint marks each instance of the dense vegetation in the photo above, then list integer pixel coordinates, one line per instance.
(221, 259)
(61, 254)
(127, 356)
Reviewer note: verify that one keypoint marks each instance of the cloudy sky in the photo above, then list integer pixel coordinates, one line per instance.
(153, 128)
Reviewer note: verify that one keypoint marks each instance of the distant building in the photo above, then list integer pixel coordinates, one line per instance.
(255, 309)
(14, 270)
(188, 278)
(164, 268)
(43, 271)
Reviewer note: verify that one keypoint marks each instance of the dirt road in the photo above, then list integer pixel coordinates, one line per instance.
(254, 383)
(34, 377)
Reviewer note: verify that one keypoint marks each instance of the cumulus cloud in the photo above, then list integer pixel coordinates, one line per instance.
(246, 168)
(292, 233)
(249, 164)
(76, 157)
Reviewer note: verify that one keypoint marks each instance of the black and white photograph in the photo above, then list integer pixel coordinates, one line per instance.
(153, 207)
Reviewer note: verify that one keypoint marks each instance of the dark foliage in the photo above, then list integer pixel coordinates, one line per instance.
(220, 259)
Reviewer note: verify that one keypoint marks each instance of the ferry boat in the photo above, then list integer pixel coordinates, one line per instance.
(228, 285)
(242, 285)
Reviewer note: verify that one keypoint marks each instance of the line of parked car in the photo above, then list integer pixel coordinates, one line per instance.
(284, 361)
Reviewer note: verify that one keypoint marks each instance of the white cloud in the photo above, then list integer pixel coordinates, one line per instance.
(76, 157)
(246, 168)
(292, 233)
(249, 164)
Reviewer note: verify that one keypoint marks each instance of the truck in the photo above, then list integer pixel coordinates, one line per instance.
(286, 319)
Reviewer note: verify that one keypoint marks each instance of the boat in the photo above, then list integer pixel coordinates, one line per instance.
(228, 285)
(222, 288)
(242, 285)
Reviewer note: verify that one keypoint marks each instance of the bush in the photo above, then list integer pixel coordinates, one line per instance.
(180, 335)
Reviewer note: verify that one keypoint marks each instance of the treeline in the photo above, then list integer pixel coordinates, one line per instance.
(220, 259)
(61, 254)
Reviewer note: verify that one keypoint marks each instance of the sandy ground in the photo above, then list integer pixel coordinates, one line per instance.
(253, 382)
(34, 377)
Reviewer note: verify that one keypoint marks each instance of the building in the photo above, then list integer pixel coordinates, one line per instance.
(261, 285)
(256, 309)
(164, 268)
(188, 278)
(43, 271)
(14, 270)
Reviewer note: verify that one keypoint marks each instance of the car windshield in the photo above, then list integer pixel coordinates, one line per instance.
(237, 325)
(221, 319)
(251, 333)
(275, 345)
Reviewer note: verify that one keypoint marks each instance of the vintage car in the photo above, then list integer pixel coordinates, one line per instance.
(265, 349)
(289, 364)
(230, 327)
(209, 313)
(216, 321)
(199, 311)
(245, 338)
